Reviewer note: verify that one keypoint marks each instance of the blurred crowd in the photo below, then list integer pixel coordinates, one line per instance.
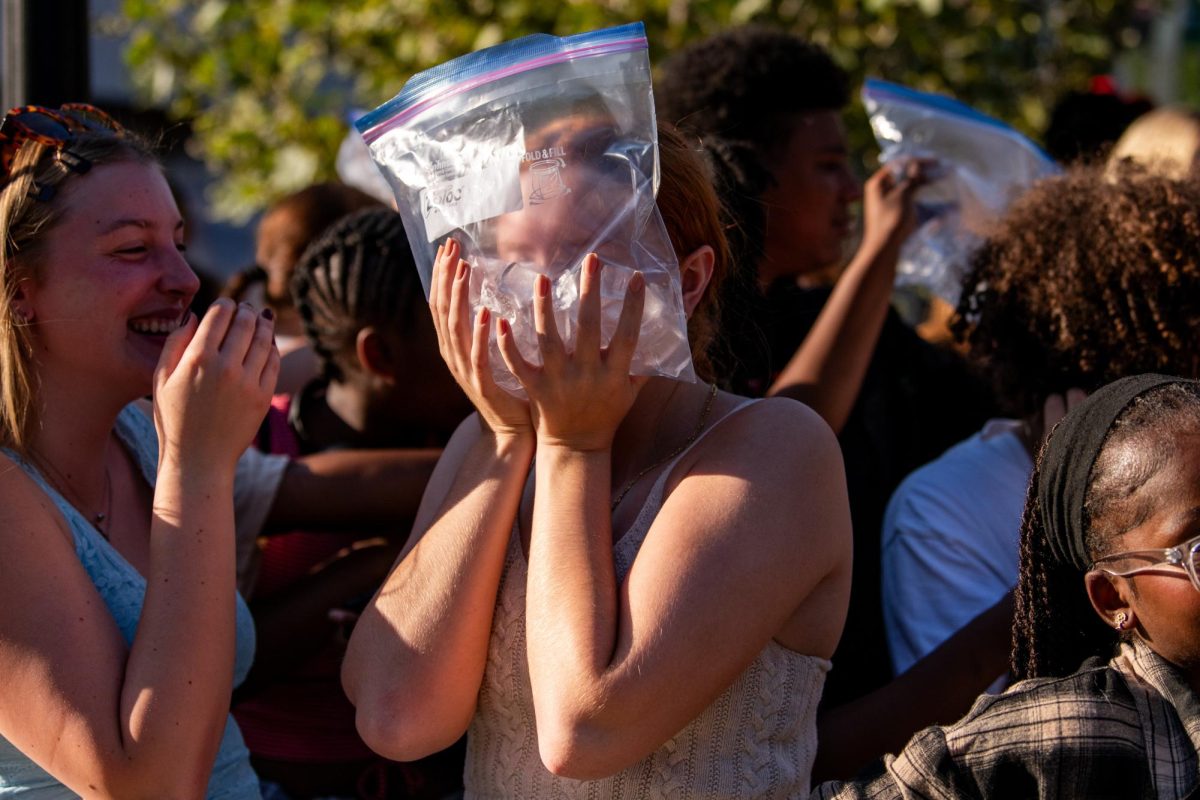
(294, 542)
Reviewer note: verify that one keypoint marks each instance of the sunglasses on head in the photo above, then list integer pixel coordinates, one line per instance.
(56, 128)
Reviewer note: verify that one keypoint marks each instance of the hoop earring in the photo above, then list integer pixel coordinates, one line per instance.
(1122, 618)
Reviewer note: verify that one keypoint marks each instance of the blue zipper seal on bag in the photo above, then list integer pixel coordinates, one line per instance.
(946, 105)
(426, 89)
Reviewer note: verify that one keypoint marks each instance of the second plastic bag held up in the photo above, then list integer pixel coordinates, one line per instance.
(533, 154)
(982, 166)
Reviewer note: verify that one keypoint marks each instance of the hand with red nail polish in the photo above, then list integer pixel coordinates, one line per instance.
(464, 345)
(578, 398)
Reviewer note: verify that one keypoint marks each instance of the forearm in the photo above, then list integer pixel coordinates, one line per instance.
(572, 594)
(178, 678)
(352, 489)
(938, 689)
(295, 624)
(827, 371)
(417, 655)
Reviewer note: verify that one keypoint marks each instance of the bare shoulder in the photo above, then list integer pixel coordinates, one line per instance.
(23, 504)
(771, 471)
(762, 503)
(774, 436)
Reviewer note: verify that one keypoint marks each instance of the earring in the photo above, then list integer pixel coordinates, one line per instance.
(1122, 617)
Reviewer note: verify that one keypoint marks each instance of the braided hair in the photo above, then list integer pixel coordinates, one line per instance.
(1055, 627)
(359, 272)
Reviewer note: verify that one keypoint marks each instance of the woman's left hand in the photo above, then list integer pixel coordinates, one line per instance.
(579, 398)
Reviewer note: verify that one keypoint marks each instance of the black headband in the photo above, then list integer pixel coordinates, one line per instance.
(1068, 459)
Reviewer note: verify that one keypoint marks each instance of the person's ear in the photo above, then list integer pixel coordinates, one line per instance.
(374, 355)
(22, 301)
(1110, 598)
(695, 271)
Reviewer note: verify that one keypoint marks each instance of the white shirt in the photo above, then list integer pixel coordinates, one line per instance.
(951, 535)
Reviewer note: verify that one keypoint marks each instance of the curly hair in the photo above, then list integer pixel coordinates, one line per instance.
(1055, 627)
(1088, 279)
(743, 83)
(359, 272)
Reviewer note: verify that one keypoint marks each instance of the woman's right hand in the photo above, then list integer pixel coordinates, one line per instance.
(214, 383)
(464, 346)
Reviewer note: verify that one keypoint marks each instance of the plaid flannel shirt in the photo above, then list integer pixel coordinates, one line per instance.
(1126, 729)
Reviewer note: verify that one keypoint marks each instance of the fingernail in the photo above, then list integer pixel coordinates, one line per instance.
(504, 327)
(484, 316)
(543, 286)
(593, 263)
(637, 282)
(268, 314)
(462, 269)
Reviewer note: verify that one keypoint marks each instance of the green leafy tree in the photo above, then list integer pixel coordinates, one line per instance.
(267, 84)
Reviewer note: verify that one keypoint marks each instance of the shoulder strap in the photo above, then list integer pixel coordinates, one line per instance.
(661, 481)
(629, 543)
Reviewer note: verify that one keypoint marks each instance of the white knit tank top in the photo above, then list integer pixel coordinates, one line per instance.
(757, 740)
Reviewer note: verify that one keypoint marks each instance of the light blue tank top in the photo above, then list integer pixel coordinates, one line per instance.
(123, 589)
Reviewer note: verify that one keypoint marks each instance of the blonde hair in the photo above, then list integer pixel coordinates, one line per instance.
(1165, 141)
(25, 226)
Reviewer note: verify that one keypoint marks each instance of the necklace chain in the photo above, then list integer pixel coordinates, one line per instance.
(700, 423)
(56, 479)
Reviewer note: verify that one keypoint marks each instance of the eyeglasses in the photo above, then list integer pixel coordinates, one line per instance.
(1185, 556)
(53, 128)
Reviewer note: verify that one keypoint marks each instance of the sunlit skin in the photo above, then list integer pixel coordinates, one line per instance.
(276, 250)
(809, 212)
(556, 234)
(1163, 605)
(106, 307)
(615, 670)
(119, 273)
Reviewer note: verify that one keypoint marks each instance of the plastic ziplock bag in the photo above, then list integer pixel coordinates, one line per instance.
(532, 154)
(983, 165)
(355, 167)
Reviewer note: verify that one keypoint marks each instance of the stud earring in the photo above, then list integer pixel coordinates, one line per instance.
(1122, 617)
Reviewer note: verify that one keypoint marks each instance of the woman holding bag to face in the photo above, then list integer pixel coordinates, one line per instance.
(651, 608)
(121, 633)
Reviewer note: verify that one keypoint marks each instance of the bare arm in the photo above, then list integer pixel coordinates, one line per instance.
(827, 371)
(416, 659)
(938, 689)
(352, 489)
(616, 670)
(143, 721)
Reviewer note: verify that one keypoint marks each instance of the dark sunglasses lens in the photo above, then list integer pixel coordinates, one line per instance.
(90, 121)
(42, 124)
